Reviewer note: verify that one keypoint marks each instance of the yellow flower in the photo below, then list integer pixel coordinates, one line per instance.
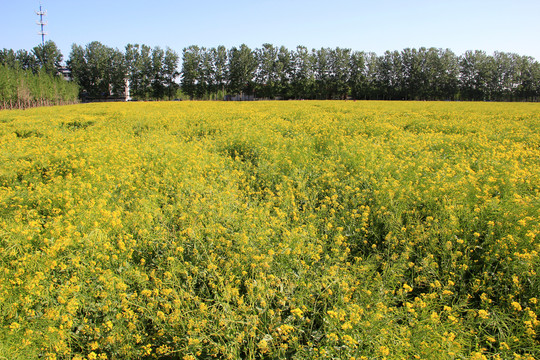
(477, 356)
(297, 312)
(483, 314)
(347, 339)
(263, 346)
(384, 350)
(332, 336)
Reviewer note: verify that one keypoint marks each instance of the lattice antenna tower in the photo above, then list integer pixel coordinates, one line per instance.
(42, 23)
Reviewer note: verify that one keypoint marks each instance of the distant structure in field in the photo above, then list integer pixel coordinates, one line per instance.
(126, 90)
(41, 23)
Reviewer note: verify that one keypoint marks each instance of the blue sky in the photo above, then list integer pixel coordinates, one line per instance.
(460, 25)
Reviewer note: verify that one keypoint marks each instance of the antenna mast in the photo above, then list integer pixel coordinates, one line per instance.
(41, 23)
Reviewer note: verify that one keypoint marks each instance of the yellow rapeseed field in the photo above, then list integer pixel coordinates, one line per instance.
(270, 230)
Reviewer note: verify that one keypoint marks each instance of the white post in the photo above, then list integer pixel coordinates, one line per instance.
(128, 98)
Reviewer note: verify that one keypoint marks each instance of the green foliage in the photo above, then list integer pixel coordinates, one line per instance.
(151, 72)
(273, 72)
(22, 88)
(241, 70)
(98, 70)
(31, 79)
(336, 73)
(48, 57)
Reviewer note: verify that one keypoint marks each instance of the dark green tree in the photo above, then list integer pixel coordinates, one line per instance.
(389, 77)
(170, 72)
(48, 57)
(205, 78)
(449, 75)
(99, 70)
(219, 60)
(474, 75)
(8, 58)
(321, 70)
(284, 72)
(191, 64)
(358, 83)
(157, 75)
(242, 66)
(340, 72)
(302, 74)
(266, 77)
(26, 60)
(528, 78)
(132, 57)
(145, 70)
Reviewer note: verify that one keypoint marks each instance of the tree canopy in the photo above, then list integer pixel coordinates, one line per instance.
(272, 72)
(336, 73)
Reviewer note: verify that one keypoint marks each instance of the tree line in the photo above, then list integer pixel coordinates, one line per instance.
(29, 79)
(102, 71)
(336, 73)
(271, 72)
(98, 72)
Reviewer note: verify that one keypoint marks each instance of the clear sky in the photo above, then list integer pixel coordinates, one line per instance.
(369, 25)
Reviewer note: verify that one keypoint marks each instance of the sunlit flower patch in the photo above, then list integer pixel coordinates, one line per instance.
(307, 230)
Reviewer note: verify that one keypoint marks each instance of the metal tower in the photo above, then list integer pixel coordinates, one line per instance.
(41, 23)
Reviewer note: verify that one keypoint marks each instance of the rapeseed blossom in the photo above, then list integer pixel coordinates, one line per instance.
(309, 230)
